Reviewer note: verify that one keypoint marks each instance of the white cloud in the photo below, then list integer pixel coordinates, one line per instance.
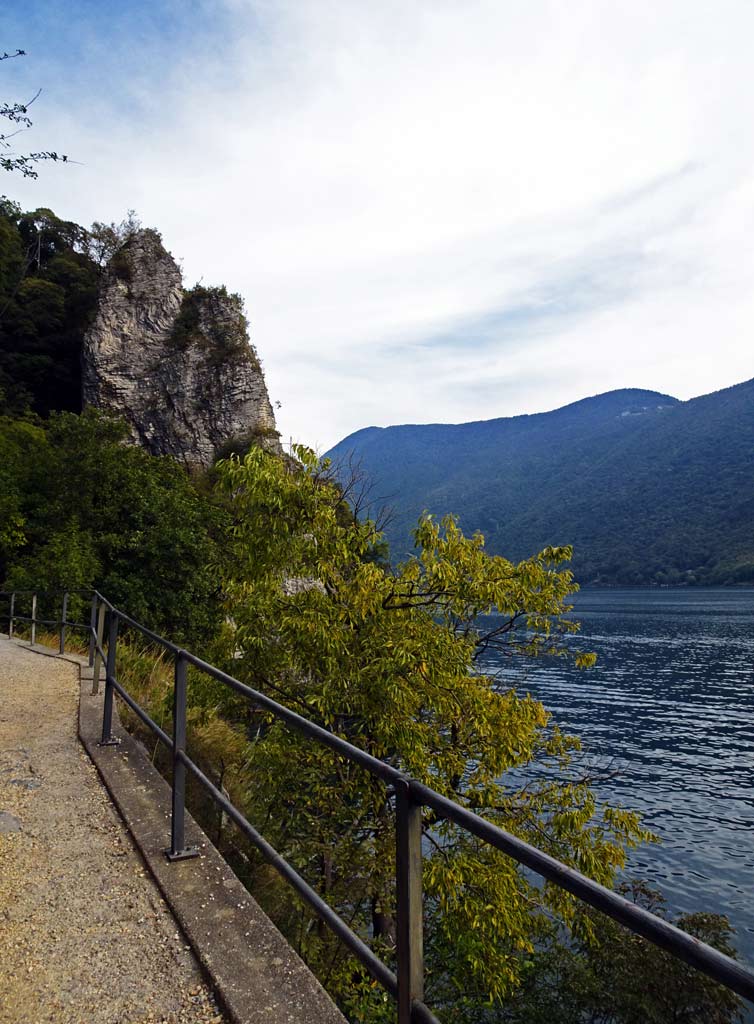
(449, 210)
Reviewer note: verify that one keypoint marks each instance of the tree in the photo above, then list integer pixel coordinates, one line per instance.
(594, 980)
(48, 296)
(18, 115)
(387, 658)
(84, 510)
(103, 240)
(17, 440)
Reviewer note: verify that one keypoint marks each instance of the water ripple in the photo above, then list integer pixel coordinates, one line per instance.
(671, 702)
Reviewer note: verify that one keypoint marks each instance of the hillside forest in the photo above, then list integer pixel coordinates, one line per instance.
(647, 489)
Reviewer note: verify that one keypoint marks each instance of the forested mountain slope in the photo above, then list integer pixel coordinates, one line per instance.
(646, 488)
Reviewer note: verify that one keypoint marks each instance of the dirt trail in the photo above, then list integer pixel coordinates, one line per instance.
(84, 935)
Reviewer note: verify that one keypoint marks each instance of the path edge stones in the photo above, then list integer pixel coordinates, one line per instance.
(255, 973)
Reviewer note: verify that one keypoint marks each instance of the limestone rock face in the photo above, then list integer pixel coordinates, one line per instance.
(176, 365)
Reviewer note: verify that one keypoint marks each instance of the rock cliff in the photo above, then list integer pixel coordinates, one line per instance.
(176, 365)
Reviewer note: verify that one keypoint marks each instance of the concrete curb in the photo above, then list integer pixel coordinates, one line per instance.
(255, 973)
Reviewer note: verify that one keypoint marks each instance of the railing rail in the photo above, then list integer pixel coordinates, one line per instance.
(411, 796)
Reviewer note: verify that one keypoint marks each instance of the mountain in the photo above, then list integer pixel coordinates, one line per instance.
(646, 488)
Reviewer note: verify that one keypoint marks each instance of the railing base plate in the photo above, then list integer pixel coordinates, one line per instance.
(188, 854)
(109, 743)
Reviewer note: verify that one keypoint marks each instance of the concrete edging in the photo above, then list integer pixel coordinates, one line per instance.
(256, 974)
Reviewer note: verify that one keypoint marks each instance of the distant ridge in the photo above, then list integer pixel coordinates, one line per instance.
(646, 488)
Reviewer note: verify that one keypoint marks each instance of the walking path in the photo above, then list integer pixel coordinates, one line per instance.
(84, 936)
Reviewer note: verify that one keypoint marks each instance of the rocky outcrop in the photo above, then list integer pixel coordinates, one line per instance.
(176, 365)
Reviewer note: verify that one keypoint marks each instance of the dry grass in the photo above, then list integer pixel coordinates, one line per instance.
(75, 642)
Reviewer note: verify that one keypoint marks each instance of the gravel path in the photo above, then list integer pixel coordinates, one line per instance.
(84, 936)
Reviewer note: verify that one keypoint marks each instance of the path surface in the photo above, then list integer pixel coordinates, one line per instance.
(84, 935)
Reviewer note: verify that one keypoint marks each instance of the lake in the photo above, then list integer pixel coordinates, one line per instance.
(671, 705)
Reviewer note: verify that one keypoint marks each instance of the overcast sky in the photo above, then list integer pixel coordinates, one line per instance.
(435, 211)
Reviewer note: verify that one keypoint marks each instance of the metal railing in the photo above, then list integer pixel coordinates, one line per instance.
(411, 796)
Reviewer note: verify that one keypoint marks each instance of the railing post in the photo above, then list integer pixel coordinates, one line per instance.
(63, 622)
(97, 656)
(10, 617)
(178, 850)
(408, 875)
(92, 628)
(108, 739)
(33, 635)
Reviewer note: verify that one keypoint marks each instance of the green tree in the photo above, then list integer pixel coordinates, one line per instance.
(103, 240)
(18, 439)
(87, 510)
(616, 977)
(387, 658)
(48, 296)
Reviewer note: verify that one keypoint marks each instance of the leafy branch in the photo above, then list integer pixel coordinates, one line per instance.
(18, 115)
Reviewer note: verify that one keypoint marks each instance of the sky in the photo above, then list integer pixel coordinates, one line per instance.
(435, 211)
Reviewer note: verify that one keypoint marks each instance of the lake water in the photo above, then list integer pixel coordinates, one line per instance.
(671, 704)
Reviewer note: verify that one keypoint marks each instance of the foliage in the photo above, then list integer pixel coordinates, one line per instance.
(48, 295)
(617, 977)
(260, 436)
(104, 240)
(18, 116)
(16, 440)
(646, 489)
(82, 509)
(387, 658)
(211, 317)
